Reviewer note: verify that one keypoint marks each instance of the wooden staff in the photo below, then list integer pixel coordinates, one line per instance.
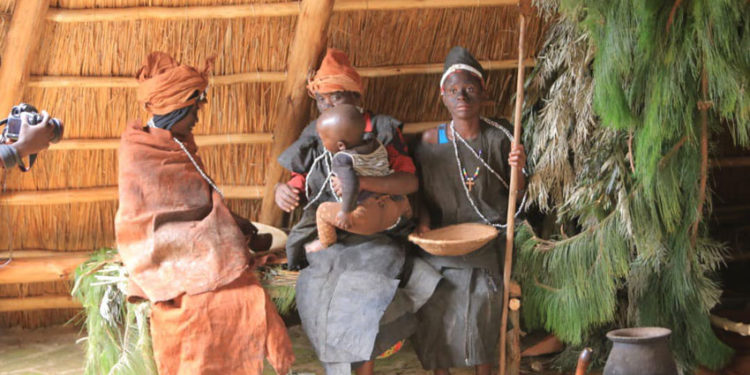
(525, 10)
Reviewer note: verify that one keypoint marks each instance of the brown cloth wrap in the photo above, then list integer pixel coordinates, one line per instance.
(185, 252)
(164, 85)
(335, 74)
(174, 234)
(223, 332)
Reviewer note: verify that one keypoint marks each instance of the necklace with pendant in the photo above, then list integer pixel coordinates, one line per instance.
(469, 180)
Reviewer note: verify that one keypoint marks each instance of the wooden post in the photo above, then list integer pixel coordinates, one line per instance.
(525, 10)
(22, 40)
(38, 302)
(514, 340)
(294, 106)
(41, 269)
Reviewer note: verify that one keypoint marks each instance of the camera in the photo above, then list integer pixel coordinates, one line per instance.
(14, 120)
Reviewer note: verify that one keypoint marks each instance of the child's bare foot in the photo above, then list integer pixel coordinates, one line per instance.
(313, 246)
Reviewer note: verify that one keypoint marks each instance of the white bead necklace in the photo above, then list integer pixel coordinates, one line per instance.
(458, 136)
(204, 175)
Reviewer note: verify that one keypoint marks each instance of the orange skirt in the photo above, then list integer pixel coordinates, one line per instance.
(226, 331)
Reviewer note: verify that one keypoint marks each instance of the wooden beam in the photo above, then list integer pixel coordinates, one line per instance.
(210, 140)
(739, 328)
(397, 70)
(22, 40)
(253, 10)
(39, 254)
(102, 194)
(731, 162)
(293, 108)
(38, 303)
(367, 72)
(200, 140)
(39, 269)
(419, 127)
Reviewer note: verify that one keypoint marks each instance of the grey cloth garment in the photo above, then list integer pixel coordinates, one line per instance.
(350, 302)
(459, 325)
(8, 156)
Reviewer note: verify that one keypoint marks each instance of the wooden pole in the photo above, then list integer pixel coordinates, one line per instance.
(514, 340)
(22, 40)
(101, 194)
(39, 269)
(38, 253)
(38, 303)
(210, 140)
(267, 77)
(293, 109)
(200, 140)
(285, 9)
(511, 218)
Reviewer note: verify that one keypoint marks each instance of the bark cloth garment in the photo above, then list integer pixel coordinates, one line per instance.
(460, 325)
(186, 253)
(349, 298)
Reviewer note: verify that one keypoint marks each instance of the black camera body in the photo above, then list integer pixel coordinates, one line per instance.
(13, 128)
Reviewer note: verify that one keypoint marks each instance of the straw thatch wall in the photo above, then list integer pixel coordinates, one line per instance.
(254, 44)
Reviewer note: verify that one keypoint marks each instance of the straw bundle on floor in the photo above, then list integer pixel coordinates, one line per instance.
(243, 45)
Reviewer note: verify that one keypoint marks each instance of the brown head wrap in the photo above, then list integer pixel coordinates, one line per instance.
(165, 85)
(335, 74)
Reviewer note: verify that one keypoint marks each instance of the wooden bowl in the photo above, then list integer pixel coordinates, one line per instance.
(455, 240)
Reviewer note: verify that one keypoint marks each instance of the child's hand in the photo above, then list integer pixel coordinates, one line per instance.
(517, 157)
(344, 220)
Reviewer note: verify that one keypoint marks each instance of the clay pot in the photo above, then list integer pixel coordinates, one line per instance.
(640, 351)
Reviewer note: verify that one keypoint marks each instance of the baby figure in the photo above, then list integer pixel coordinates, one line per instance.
(342, 130)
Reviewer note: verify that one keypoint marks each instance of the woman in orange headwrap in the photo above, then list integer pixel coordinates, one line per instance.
(354, 298)
(185, 251)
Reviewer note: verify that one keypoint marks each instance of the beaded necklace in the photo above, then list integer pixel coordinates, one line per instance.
(462, 171)
(204, 175)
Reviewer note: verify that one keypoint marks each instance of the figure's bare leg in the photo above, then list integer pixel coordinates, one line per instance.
(367, 368)
(442, 371)
(485, 369)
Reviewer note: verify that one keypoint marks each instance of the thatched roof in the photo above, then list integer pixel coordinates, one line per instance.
(372, 38)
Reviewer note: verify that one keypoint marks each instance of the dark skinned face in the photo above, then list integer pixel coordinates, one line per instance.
(463, 95)
(185, 126)
(329, 100)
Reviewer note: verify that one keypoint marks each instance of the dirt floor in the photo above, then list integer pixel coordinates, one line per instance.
(55, 351)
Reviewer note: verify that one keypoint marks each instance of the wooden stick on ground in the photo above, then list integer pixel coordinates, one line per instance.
(525, 10)
(294, 105)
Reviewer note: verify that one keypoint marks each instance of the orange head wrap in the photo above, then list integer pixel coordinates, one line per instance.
(165, 85)
(335, 74)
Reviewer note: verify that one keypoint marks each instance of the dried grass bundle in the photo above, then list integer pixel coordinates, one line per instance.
(65, 227)
(378, 38)
(118, 48)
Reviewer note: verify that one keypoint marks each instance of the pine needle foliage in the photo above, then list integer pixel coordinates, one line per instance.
(118, 339)
(614, 128)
